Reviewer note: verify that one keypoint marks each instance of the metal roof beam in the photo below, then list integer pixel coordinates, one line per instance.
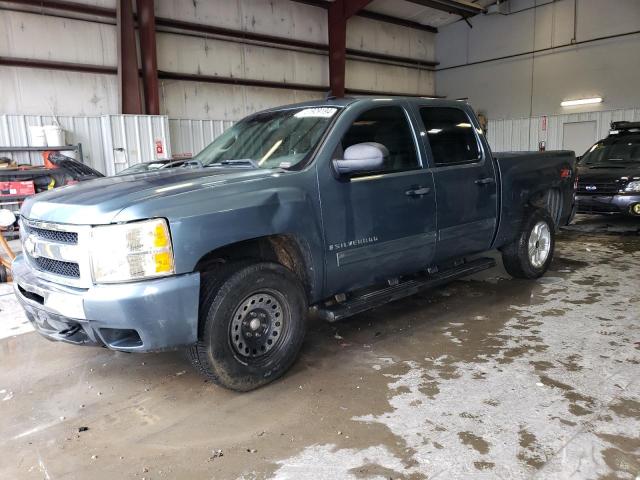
(380, 17)
(456, 7)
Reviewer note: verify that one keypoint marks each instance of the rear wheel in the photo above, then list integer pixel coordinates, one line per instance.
(252, 324)
(530, 254)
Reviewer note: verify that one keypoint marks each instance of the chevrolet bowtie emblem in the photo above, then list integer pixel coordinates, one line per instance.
(30, 246)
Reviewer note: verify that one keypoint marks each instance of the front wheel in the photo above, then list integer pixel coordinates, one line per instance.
(530, 254)
(252, 324)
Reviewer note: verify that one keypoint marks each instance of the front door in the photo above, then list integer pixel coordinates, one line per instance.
(382, 223)
(465, 180)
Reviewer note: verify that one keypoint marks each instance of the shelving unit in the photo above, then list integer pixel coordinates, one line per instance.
(13, 202)
(76, 148)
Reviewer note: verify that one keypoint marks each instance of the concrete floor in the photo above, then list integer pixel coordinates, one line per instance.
(486, 378)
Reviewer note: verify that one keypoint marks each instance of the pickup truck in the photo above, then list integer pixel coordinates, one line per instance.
(330, 207)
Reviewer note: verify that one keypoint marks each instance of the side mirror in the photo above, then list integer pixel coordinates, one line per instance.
(360, 158)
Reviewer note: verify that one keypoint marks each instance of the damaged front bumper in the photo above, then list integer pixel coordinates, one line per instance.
(144, 316)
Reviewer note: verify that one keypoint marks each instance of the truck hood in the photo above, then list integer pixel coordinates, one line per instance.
(98, 201)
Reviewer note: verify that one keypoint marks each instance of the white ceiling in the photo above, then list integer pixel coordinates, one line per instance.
(416, 13)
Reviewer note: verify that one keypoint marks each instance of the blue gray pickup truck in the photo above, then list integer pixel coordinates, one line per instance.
(330, 207)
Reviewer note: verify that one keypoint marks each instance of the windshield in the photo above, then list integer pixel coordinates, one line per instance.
(278, 139)
(619, 151)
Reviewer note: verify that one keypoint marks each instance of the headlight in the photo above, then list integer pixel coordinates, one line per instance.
(131, 251)
(633, 186)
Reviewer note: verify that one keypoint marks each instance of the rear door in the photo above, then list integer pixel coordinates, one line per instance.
(465, 181)
(382, 223)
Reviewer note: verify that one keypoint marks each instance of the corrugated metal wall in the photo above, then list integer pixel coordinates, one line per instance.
(188, 137)
(110, 143)
(131, 139)
(14, 132)
(525, 133)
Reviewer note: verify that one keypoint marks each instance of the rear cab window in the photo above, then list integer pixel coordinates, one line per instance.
(451, 136)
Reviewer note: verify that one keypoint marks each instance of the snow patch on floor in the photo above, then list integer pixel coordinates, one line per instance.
(554, 391)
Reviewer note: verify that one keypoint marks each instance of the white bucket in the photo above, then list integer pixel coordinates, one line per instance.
(55, 135)
(38, 137)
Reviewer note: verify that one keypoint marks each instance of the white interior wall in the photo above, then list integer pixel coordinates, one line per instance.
(534, 85)
(42, 37)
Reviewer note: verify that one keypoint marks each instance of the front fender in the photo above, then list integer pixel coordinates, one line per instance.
(205, 220)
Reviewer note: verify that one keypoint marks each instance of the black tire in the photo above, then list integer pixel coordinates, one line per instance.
(516, 257)
(236, 296)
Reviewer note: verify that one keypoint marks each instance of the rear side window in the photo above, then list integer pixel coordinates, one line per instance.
(451, 136)
(390, 127)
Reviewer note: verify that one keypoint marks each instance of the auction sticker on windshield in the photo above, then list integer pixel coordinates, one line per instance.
(316, 113)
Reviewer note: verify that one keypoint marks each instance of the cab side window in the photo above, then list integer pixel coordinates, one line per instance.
(451, 136)
(390, 127)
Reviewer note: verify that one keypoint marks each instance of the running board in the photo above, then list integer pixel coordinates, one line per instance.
(367, 301)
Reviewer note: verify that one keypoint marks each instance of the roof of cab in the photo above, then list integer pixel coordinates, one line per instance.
(346, 101)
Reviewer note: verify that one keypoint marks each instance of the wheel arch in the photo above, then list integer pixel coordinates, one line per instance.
(549, 199)
(286, 249)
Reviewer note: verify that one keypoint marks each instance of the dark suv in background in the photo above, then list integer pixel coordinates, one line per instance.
(609, 173)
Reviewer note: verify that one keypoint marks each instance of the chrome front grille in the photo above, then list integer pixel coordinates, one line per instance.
(58, 251)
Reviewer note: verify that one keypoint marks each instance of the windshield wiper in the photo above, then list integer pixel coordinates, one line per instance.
(244, 162)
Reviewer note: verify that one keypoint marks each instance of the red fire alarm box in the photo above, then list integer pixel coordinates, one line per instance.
(25, 188)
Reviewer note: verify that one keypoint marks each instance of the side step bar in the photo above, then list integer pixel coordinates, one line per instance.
(374, 299)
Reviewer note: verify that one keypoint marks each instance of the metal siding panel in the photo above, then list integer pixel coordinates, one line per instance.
(520, 134)
(78, 129)
(189, 137)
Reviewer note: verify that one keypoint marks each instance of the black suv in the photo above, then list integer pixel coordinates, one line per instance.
(609, 173)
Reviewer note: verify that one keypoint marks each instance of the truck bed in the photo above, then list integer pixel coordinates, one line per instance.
(523, 175)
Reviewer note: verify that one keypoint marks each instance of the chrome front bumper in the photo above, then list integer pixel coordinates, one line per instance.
(142, 316)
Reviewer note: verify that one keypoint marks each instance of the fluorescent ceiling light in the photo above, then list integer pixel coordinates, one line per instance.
(433, 131)
(464, 125)
(581, 101)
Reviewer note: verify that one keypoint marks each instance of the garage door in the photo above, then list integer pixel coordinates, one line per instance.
(579, 136)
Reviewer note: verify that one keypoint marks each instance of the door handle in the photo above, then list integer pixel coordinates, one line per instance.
(485, 181)
(417, 192)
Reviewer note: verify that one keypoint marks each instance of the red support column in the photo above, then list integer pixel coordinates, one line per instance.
(339, 12)
(147, 32)
(128, 85)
